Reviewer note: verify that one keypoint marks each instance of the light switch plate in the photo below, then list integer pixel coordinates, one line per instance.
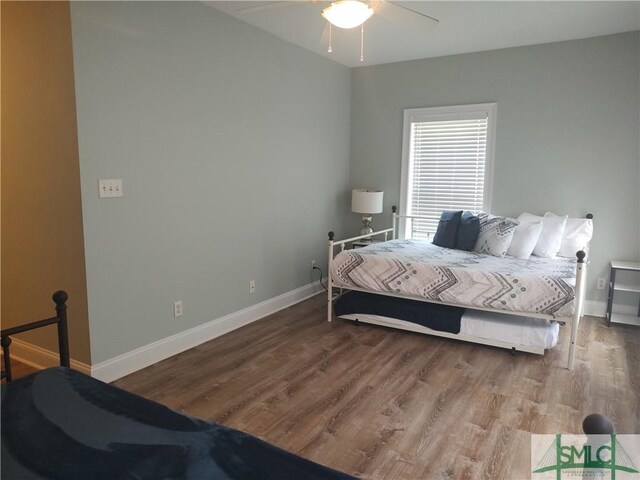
(110, 188)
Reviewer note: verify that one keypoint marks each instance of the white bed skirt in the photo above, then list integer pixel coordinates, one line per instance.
(532, 332)
(525, 334)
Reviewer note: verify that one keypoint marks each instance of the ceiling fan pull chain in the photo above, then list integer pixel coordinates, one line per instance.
(330, 49)
(362, 43)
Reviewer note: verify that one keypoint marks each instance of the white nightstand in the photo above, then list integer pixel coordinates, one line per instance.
(361, 244)
(628, 282)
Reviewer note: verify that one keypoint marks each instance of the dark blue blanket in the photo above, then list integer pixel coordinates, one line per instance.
(432, 315)
(61, 424)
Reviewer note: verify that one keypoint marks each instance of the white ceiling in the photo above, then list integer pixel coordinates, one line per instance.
(463, 27)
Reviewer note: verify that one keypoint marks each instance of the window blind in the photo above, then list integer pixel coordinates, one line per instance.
(446, 168)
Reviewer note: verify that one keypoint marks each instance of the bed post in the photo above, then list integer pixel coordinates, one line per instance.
(589, 216)
(60, 298)
(394, 209)
(6, 343)
(581, 269)
(329, 285)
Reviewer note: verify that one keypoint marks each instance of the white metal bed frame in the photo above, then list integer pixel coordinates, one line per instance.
(572, 321)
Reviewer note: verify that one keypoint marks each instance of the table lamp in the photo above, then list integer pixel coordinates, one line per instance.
(367, 202)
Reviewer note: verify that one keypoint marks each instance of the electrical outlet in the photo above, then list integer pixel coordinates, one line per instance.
(313, 264)
(177, 308)
(252, 286)
(600, 283)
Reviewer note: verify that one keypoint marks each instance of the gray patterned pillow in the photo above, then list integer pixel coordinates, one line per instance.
(495, 235)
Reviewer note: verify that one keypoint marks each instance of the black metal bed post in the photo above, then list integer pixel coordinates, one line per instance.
(60, 298)
(5, 342)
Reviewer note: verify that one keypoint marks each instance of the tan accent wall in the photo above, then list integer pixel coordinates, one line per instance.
(42, 241)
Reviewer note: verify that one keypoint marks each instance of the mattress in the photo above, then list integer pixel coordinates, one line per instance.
(418, 269)
(531, 332)
(513, 329)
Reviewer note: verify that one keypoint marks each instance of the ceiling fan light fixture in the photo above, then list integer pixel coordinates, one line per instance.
(347, 13)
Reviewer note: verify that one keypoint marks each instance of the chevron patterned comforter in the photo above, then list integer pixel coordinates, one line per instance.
(420, 269)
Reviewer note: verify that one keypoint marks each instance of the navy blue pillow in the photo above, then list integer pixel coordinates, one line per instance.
(468, 232)
(447, 231)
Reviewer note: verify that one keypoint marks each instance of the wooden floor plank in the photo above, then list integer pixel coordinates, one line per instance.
(18, 369)
(386, 404)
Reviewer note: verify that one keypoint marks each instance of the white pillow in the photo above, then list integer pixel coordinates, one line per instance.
(550, 239)
(495, 234)
(525, 239)
(577, 235)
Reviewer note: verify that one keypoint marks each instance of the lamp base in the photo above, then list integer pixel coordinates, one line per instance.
(366, 227)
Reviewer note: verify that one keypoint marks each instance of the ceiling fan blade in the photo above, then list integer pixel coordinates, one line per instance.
(268, 6)
(391, 9)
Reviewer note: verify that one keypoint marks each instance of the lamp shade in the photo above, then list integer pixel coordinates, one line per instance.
(366, 201)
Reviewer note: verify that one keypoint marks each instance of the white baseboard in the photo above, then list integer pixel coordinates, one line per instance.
(40, 358)
(142, 357)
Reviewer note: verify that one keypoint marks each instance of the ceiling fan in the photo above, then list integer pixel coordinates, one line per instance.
(347, 14)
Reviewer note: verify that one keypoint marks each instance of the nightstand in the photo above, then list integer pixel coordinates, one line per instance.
(623, 278)
(361, 244)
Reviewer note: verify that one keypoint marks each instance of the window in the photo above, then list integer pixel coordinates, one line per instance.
(446, 163)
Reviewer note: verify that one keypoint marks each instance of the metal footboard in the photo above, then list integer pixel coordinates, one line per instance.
(60, 299)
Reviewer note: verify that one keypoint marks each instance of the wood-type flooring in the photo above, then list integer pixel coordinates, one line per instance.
(19, 369)
(380, 403)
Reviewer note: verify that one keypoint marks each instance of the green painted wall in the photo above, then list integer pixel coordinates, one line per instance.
(238, 151)
(233, 147)
(567, 131)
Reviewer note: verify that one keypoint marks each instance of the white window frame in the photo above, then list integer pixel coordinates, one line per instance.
(413, 115)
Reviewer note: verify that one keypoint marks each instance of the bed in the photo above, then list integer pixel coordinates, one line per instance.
(61, 424)
(494, 293)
